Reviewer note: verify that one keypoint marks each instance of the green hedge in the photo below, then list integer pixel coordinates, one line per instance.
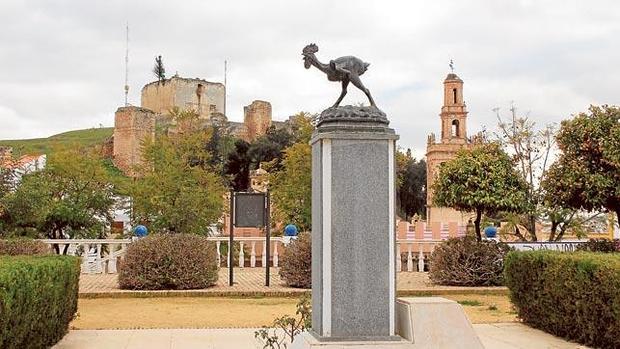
(38, 299)
(169, 262)
(572, 295)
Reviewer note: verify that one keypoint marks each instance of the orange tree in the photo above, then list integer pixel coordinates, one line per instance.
(482, 180)
(587, 173)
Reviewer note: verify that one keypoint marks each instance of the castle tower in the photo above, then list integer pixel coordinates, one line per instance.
(256, 119)
(132, 126)
(204, 97)
(453, 138)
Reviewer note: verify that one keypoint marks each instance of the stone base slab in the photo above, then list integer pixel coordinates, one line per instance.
(435, 322)
(422, 323)
(308, 341)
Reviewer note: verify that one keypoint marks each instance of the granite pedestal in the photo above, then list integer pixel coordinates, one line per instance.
(353, 246)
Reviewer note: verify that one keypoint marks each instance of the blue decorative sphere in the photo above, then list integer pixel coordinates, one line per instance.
(490, 232)
(140, 231)
(291, 230)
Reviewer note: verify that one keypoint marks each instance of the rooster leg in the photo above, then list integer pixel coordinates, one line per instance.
(355, 80)
(345, 83)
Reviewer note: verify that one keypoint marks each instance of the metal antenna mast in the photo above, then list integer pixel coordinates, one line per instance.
(127, 64)
(225, 85)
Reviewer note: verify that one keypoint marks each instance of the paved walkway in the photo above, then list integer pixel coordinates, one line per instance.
(251, 281)
(495, 336)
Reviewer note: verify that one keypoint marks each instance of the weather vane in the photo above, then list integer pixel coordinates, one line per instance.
(451, 66)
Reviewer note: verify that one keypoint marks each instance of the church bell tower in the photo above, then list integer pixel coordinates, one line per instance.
(454, 112)
(453, 138)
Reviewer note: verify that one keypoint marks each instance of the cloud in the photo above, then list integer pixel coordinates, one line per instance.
(62, 65)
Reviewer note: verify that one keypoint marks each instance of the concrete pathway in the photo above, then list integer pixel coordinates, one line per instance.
(493, 336)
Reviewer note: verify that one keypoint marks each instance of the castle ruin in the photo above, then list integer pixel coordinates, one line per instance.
(133, 125)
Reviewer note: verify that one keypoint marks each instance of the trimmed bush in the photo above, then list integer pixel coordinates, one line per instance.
(468, 262)
(600, 245)
(38, 299)
(169, 262)
(296, 262)
(23, 246)
(571, 295)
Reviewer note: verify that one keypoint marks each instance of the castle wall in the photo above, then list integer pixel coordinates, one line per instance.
(257, 119)
(200, 95)
(132, 125)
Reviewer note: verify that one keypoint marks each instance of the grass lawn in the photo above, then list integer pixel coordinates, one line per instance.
(206, 312)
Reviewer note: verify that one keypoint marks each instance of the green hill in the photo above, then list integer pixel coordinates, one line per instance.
(87, 137)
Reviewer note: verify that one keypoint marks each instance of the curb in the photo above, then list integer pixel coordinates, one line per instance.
(277, 294)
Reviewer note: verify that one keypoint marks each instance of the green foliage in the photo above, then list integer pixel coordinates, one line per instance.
(38, 299)
(587, 173)
(571, 295)
(410, 185)
(291, 187)
(296, 262)
(270, 147)
(468, 262)
(71, 197)
(178, 192)
(238, 166)
(291, 326)
(169, 262)
(302, 126)
(600, 245)
(80, 138)
(21, 246)
(268, 150)
(158, 69)
(483, 180)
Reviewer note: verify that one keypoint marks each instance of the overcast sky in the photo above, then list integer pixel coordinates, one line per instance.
(62, 63)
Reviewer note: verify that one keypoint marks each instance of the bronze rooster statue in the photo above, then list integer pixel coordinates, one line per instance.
(346, 69)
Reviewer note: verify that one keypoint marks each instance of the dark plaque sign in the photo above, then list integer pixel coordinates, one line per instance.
(249, 210)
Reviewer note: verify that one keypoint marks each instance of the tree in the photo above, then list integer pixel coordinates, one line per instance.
(159, 70)
(531, 149)
(291, 187)
(269, 147)
(302, 126)
(7, 185)
(71, 197)
(410, 185)
(482, 180)
(238, 166)
(179, 192)
(587, 173)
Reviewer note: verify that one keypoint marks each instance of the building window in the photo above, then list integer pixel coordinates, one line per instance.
(454, 94)
(455, 128)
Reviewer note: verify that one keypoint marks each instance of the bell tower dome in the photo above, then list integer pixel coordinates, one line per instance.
(453, 112)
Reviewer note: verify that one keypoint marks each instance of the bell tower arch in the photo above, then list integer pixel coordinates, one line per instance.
(453, 112)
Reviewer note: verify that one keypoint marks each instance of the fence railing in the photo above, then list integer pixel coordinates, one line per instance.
(102, 255)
